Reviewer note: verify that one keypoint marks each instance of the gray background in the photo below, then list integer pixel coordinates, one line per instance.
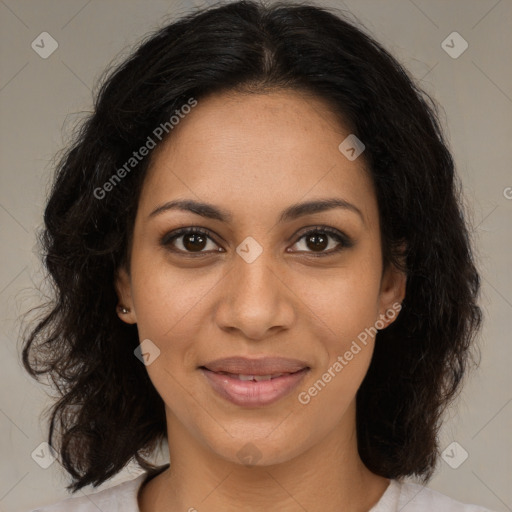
(40, 100)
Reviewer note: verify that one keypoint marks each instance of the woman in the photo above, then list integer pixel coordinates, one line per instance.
(259, 257)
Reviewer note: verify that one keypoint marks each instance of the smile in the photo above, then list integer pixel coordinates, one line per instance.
(255, 389)
(252, 377)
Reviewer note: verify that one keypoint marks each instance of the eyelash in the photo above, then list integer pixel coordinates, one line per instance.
(344, 241)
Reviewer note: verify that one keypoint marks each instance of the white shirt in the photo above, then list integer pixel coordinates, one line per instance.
(398, 497)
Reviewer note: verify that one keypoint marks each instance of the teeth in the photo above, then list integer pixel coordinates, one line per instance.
(257, 378)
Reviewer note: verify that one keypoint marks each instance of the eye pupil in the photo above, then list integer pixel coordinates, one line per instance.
(194, 241)
(318, 241)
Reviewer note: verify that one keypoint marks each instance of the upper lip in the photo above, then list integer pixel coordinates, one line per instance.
(261, 366)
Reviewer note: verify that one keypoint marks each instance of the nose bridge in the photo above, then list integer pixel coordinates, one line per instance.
(256, 300)
(254, 279)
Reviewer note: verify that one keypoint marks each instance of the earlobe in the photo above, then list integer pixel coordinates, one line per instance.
(125, 310)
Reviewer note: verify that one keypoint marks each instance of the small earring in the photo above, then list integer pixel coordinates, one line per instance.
(123, 310)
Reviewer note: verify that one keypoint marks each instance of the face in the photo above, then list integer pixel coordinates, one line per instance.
(285, 262)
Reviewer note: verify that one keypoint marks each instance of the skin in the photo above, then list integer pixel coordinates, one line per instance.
(254, 155)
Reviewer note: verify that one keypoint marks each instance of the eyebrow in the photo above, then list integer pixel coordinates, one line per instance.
(293, 212)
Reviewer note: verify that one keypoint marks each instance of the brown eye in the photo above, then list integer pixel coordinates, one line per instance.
(317, 241)
(194, 242)
(189, 240)
(323, 241)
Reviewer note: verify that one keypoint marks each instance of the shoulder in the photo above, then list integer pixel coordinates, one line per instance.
(119, 498)
(417, 498)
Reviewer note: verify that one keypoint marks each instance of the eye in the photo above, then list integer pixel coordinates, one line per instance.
(320, 238)
(189, 240)
(195, 240)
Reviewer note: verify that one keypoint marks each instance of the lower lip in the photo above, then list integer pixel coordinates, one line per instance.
(253, 393)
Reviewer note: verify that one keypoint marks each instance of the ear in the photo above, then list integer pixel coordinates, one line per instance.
(392, 293)
(123, 288)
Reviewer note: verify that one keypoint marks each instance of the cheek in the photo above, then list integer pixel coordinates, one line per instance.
(167, 300)
(346, 331)
(347, 334)
(344, 302)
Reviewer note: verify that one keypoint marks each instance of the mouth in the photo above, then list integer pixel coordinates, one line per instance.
(254, 382)
(255, 378)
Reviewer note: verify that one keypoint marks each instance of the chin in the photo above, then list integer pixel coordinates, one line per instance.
(262, 449)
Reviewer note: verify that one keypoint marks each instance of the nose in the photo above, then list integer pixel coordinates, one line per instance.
(255, 301)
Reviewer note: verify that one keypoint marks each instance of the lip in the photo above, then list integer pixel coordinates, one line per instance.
(260, 366)
(250, 393)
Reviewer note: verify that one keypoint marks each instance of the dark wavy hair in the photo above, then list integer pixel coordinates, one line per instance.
(108, 411)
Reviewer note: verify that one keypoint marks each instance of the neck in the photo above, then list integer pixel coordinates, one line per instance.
(198, 479)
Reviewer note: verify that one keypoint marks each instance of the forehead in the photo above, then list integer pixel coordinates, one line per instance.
(277, 148)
